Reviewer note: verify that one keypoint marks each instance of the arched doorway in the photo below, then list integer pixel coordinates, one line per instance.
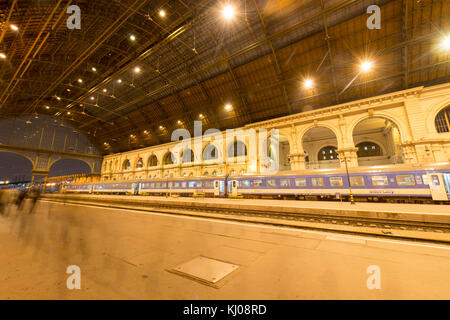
(378, 142)
(283, 151)
(320, 144)
(15, 168)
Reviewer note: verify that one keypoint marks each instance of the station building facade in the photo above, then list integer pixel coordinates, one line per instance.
(405, 127)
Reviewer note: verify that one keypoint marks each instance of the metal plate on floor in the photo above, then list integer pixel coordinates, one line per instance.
(206, 270)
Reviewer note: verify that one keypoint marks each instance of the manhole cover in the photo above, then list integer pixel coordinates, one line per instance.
(205, 270)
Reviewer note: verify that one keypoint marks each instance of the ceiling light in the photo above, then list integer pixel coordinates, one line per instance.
(132, 37)
(228, 12)
(228, 107)
(366, 66)
(200, 115)
(58, 98)
(308, 84)
(2, 55)
(445, 44)
(68, 112)
(80, 80)
(161, 127)
(137, 69)
(92, 98)
(145, 131)
(14, 27)
(104, 90)
(119, 80)
(68, 90)
(47, 107)
(94, 69)
(162, 13)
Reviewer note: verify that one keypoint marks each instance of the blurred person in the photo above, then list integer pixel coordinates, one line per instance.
(20, 198)
(35, 195)
(3, 201)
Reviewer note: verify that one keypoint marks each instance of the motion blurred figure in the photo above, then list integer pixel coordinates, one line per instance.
(35, 195)
(3, 201)
(20, 198)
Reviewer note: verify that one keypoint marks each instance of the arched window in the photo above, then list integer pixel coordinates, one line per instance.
(328, 153)
(442, 120)
(140, 164)
(187, 156)
(210, 152)
(206, 173)
(126, 165)
(153, 161)
(214, 173)
(232, 172)
(237, 149)
(168, 158)
(243, 171)
(368, 149)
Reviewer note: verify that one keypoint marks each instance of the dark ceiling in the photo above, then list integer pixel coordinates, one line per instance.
(193, 61)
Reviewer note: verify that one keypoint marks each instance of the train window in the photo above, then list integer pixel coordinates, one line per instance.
(418, 179)
(184, 184)
(272, 183)
(317, 182)
(425, 179)
(176, 185)
(336, 182)
(157, 185)
(170, 184)
(245, 183)
(380, 181)
(199, 184)
(405, 180)
(257, 183)
(285, 183)
(357, 181)
(300, 182)
(191, 184)
(435, 180)
(163, 185)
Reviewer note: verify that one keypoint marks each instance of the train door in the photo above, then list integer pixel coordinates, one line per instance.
(216, 188)
(437, 187)
(234, 186)
(135, 188)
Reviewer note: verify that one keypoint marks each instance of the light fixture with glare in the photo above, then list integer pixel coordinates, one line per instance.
(366, 66)
(105, 90)
(228, 107)
(119, 80)
(308, 83)
(47, 107)
(58, 98)
(80, 80)
(228, 12)
(14, 27)
(2, 55)
(162, 13)
(445, 44)
(132, 37)
(137, 69)
(94, 69)
(92, 98)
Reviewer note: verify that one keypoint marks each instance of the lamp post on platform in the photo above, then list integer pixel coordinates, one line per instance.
(352, 200)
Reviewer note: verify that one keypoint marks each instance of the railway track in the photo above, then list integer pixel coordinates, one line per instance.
(413, 230)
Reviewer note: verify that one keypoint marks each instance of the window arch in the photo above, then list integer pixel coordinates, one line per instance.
(126, 165)
(368, 149)
(187, 156)
(237, 149)
(168, 158)
(206, 173)
(328, 153)
(139, 164)
(442, 120)
(152, 161)
(210, 152)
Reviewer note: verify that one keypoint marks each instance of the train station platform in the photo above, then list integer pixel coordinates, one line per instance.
(418, 221)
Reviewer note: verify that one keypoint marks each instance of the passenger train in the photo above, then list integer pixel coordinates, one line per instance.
(392, 183)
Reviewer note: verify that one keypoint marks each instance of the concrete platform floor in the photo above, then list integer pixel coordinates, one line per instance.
(125, 254)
